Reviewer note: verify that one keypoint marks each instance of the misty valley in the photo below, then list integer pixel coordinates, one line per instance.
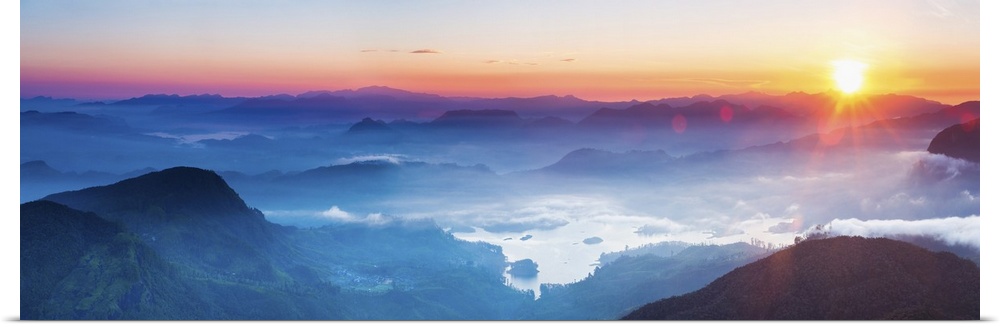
(383, 204)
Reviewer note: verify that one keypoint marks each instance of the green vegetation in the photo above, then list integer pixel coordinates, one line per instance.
(354, 271)
(180, 244)
(840, 278)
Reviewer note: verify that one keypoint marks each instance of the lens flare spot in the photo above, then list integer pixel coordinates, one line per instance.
(726, 113)
(970, 122)
(680, 123)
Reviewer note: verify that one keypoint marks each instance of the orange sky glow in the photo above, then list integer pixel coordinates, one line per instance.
(593, 50)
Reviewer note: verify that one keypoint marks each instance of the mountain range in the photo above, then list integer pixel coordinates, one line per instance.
(333, 205)
(170, 244)
(177, 240)
(189, 240)
(380, 102)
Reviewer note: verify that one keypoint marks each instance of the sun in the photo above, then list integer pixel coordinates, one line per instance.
(849, 75)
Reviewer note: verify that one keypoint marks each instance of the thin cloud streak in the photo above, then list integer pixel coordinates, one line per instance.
(510, 62)
(723, 82)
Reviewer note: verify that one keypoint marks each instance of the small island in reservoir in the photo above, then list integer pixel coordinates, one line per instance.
(523, 268)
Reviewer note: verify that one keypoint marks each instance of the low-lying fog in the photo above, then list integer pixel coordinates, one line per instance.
(560, 199)
(547, 216)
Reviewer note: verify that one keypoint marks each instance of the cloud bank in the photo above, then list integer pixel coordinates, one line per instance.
(390, 158)
(952, 230)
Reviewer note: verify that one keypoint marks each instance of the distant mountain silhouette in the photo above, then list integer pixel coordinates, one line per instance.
(903, 133)
(594, 162)
(875, 107)
(841, 278)
(540, 102)
(383, 174)
(308, 94)
(939, 119)
(386, 92)
(253, 141)
(323, 107)
(958, 141)
(47, 104)
(567, 107)
(964, 111)
(38, 169)
(177, 100)
(73, 121)
(645, 113)
(386, 103)
(660, 249)
(369, 125)
(478, 119)
(750, 99)
(699, 117)
(362, 182)
(283, 96)
(280, 106)
(381, 102)
(909, 133)
(38, 179)
(548, 122)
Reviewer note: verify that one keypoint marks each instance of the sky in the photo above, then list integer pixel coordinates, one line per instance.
(619, 50)
(597, 50)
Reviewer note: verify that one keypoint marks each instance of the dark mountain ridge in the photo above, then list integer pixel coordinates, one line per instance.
(841, 278)
(222, 260)
(958, 141)
(184, 191)
(191, 216)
